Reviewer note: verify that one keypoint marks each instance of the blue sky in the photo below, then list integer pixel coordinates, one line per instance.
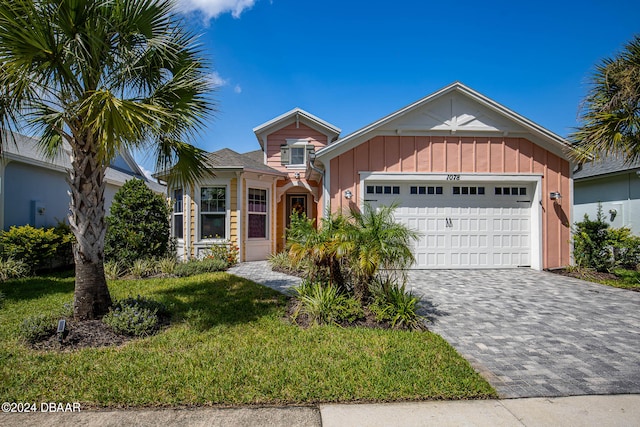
(353, 62)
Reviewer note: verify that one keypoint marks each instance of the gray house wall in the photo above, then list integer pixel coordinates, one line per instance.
(39, 196)
(619, 193)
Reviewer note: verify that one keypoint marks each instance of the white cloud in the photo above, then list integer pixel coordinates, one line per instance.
(237, 89)
(217, 80)
(214, 8)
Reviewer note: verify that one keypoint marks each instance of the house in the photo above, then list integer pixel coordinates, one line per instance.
(485, 187)
(612, 183)
(34, 188)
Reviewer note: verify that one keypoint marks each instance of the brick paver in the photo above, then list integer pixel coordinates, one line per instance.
(534, 334)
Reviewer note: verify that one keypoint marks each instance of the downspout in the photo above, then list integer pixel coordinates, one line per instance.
(239, 218)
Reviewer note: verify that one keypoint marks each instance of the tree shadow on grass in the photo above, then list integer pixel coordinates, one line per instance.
(205, 302)
(36, 287)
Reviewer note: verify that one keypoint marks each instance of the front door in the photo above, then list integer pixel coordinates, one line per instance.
(296, 203)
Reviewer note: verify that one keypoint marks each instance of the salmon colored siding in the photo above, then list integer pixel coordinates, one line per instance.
(452, 154)
(292, 131)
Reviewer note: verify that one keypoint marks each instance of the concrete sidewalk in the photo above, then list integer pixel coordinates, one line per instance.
(616, 410)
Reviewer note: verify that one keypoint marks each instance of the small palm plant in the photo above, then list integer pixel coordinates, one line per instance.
(375, 241)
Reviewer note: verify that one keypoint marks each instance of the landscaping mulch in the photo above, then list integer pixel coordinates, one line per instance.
(589, 275)
(83, 334)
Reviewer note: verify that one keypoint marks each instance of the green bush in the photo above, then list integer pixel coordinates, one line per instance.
(393, 303)
(38, 248)
(142, 268)
(166, 265)
(597, 246)
(199, 266)
(281, 261)
(135, 316)
(12, 269)
(227, 252)
(37, 328)
(325, 304)
(138, 224)
(113, 270)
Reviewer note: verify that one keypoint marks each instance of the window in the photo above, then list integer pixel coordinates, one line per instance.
(257, 213)
(386, 189)
(213, 212)
(425, 190)
(511, 191)
(297, 155)
(178, 223)
(295, 152)
(470, 191)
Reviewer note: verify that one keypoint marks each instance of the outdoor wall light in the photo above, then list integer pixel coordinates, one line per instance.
(555, 195)
(348, 194)
(296, 175)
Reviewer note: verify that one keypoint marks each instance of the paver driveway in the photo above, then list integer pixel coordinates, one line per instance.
(534, 333)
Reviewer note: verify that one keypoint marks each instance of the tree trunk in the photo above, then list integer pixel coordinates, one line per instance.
(87, 220)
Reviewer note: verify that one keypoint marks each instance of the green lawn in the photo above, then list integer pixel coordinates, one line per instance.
(626, 279)
(227, 344)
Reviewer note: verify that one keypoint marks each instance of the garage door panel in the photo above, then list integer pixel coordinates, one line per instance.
(466, 231)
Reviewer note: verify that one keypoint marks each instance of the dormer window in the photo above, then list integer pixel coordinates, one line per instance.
(295, 153)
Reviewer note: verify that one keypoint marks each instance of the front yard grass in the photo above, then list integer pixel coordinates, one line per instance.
(626, 279)
(227, 344)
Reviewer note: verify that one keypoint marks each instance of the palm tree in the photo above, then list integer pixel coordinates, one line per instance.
(611, 110)
(320, 245)
(102, 76)
(375, 241)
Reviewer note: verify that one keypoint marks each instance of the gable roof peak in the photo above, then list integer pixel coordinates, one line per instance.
(296, 115)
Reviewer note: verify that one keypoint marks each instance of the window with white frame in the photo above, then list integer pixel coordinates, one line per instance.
(178, 213)
(257, 211)
(295, 152)
(213, 212)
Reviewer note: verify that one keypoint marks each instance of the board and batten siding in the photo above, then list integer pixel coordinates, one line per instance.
(292, 131)
(456, 154)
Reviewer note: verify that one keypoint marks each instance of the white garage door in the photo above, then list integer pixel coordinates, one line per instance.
(462, 225)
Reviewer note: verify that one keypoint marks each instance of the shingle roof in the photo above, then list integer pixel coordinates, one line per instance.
(605, 166)
(226, 158)
(25, 148)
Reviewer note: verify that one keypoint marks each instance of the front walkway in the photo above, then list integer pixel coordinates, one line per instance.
(260, 272)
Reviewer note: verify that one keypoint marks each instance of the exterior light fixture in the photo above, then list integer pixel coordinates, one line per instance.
(62, 329)
(348, 194)
(555, 195)
(296, 175)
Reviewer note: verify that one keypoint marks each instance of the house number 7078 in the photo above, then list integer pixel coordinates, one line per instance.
(453, 177)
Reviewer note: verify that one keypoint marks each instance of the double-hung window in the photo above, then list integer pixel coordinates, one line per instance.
(296, 152)
(213, 212)
(257, 200)
(178, 223)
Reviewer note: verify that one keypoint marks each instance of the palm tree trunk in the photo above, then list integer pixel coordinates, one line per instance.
(91, 298)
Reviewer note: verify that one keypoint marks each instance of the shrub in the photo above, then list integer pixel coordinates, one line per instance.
(199, 266)
(227, 252)
(12, 269)
(167, 265)
(142, 268)
(325, 304)
(602, 248)
(283, 262)
(138, 224)
(393, 303)
(36, 247)
(590, 243)
(113, 270)
(135, 316)
(1, 299)
(37, 328)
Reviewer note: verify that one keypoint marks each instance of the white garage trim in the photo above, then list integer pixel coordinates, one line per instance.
(535, 180)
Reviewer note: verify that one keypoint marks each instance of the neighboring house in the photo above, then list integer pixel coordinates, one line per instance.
(34, 189)
(615, 185)
(485, 187)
